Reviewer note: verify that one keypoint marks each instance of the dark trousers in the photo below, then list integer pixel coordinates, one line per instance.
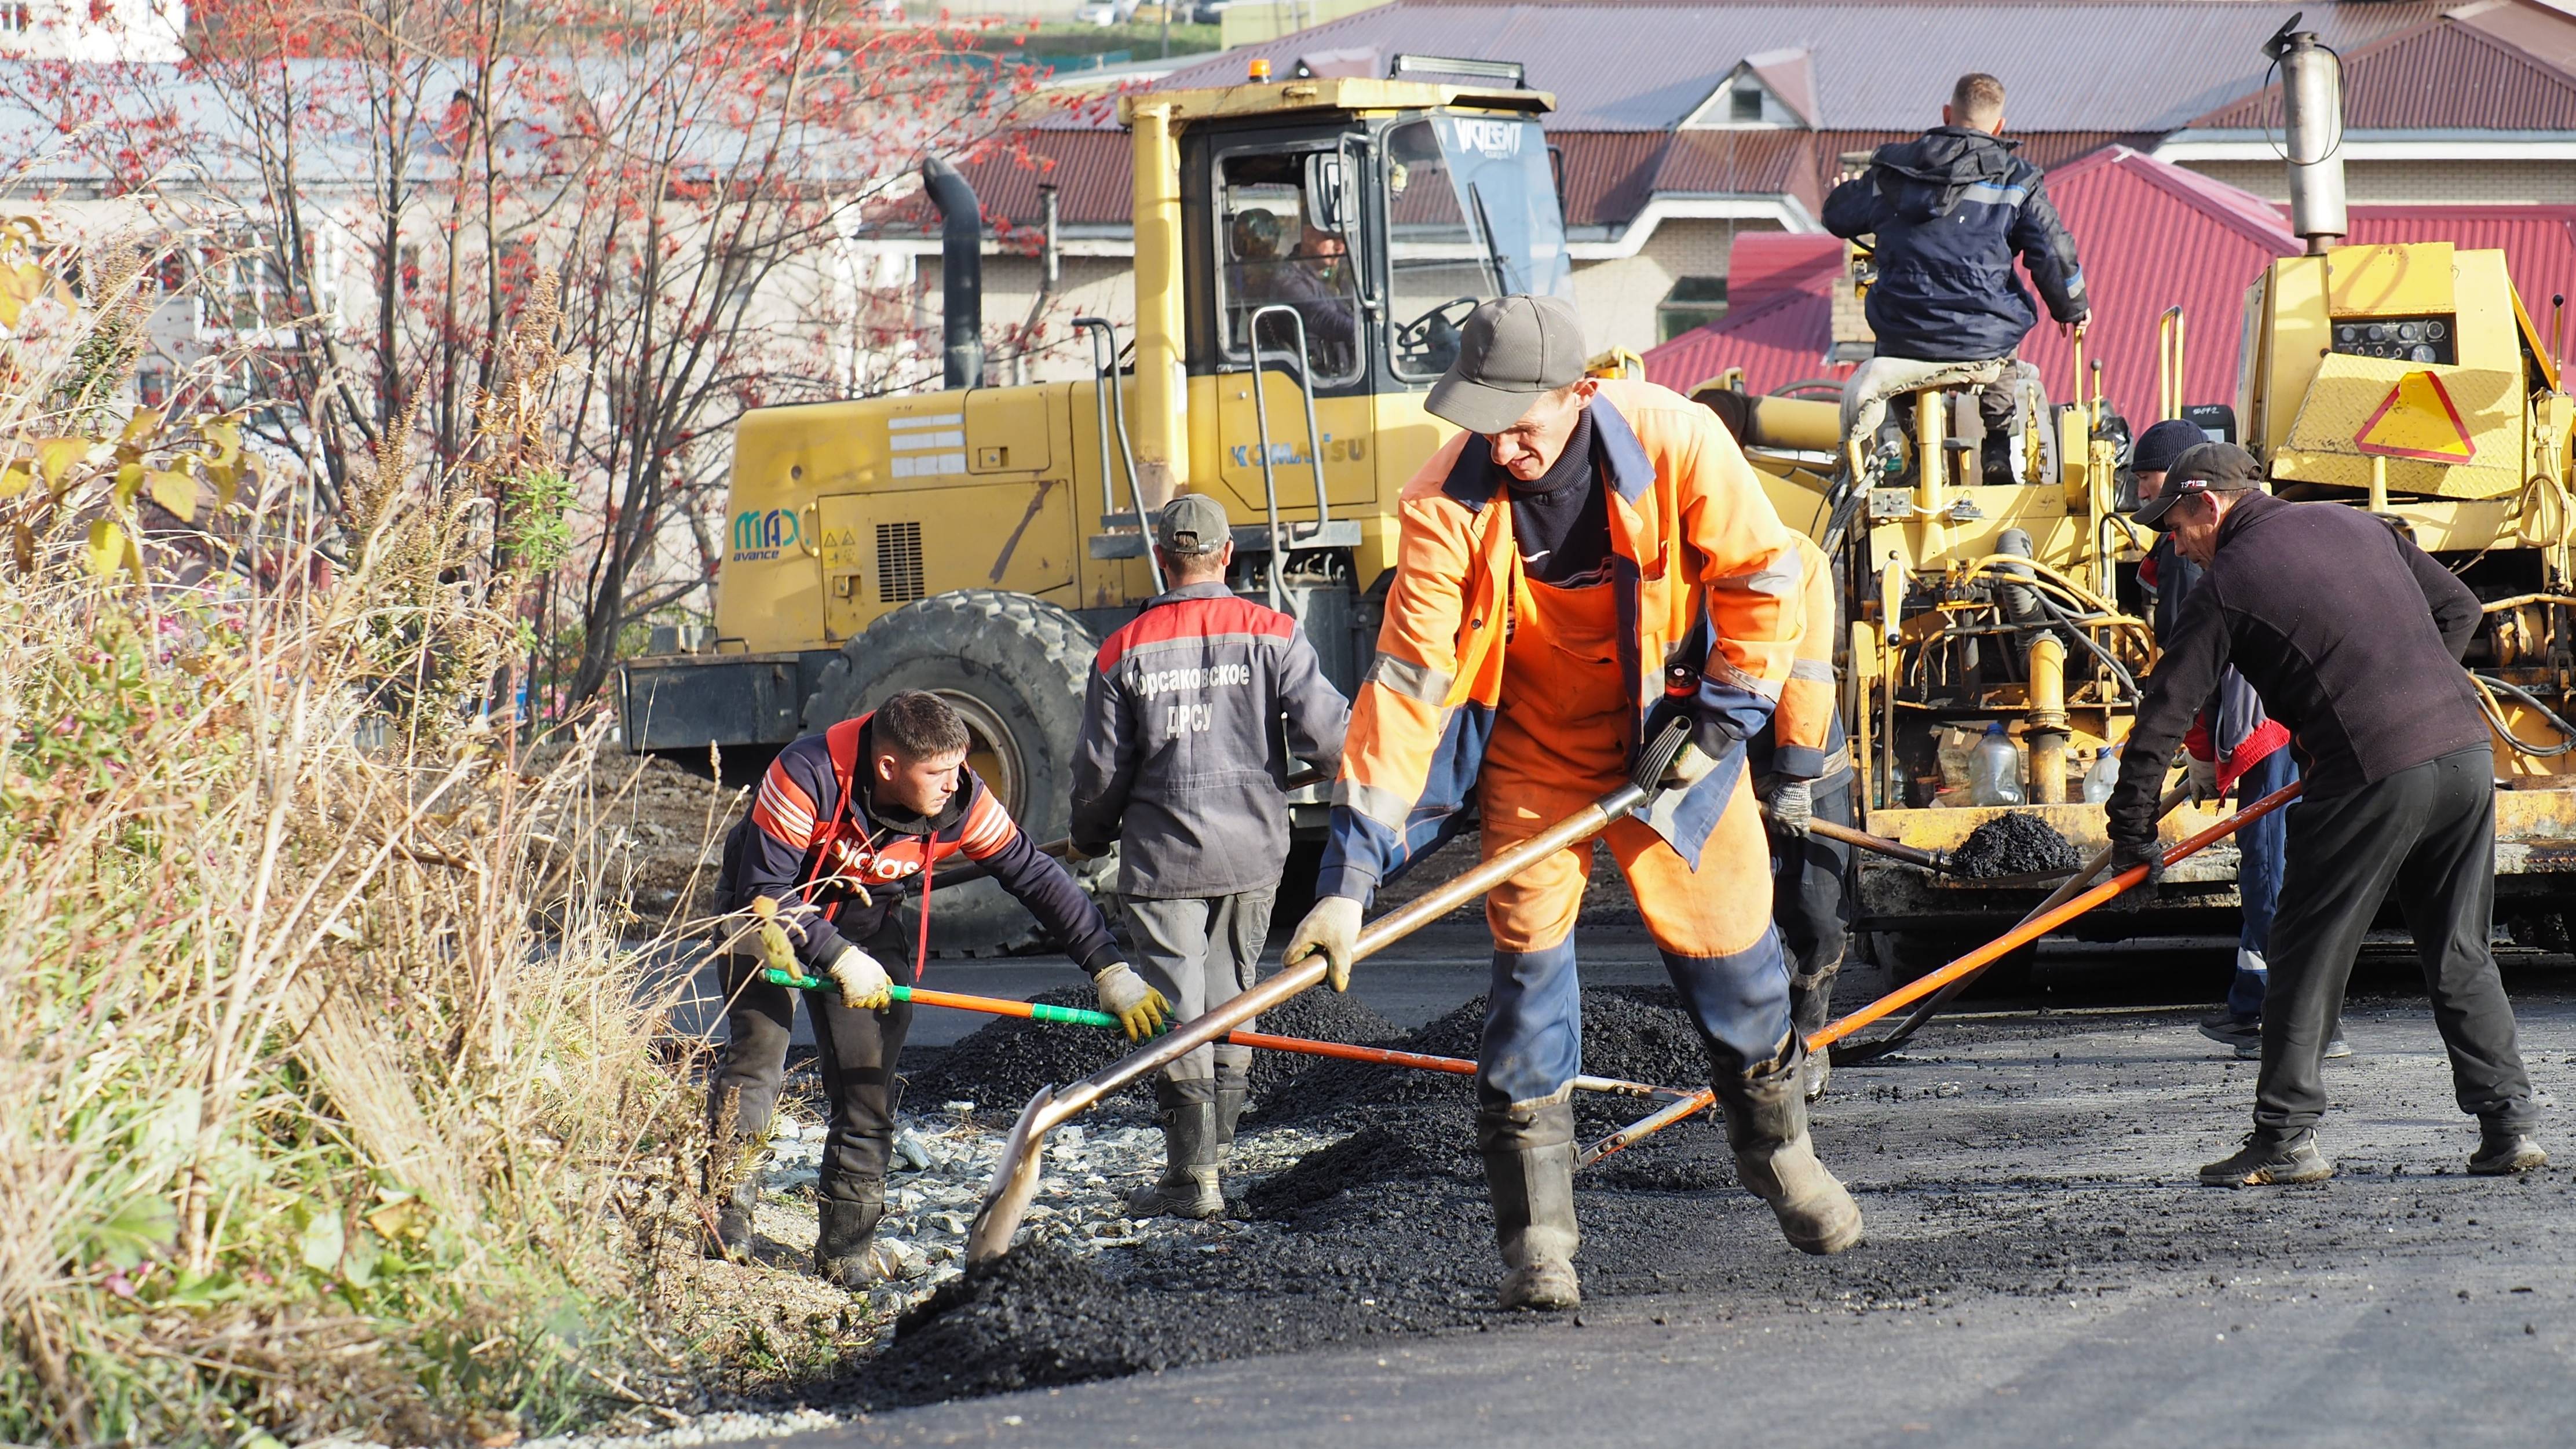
(858, 1050)
(1807, 896)
(2429, 834)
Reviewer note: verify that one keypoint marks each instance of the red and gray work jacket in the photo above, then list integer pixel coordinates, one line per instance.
(810, 835)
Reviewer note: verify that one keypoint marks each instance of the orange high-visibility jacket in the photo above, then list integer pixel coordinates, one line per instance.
(1696, 543)
(1806, 740)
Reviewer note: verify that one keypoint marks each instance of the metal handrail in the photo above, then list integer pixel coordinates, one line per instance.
(1104, 376)
(1261, 420)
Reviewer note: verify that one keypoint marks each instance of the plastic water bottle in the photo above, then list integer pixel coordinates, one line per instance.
(1994, 772)
(2104, 774)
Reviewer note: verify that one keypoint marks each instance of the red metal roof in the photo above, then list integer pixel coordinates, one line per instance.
(1779, 318)
(2448, 75)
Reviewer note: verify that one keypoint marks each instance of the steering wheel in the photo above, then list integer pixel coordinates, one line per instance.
(1432, 335)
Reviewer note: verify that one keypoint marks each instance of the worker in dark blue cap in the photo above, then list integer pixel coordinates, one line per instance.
(2236, 745)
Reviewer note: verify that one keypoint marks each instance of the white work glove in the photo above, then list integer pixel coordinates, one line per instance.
(864, 984)
(2202, 776)
(1332, 928)
(1688, 767)
(1140, 1009)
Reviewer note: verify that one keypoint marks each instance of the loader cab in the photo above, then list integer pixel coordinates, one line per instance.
(1381, 233)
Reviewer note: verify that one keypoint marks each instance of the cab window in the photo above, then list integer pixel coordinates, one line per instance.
(1282, 247)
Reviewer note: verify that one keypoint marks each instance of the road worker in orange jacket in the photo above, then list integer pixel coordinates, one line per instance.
(1556, 557)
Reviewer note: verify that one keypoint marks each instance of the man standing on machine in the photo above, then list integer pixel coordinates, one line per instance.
(1801, 765)
(844, 825)
(1949, 211)
(1579, 540)
(1181, 760)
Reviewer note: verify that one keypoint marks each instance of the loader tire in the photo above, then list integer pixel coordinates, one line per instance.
(1016, 668)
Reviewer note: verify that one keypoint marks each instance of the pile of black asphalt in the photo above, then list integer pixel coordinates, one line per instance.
(2014, 843)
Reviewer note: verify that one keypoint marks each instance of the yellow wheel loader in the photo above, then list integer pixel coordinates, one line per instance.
(1306, 249)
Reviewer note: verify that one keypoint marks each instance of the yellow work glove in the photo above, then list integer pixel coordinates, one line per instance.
(1333, 928)
(864, 983)
(1687, 768)
(1140, 1009)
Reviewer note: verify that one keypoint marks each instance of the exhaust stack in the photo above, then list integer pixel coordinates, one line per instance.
(961, 272)
(2312, 102)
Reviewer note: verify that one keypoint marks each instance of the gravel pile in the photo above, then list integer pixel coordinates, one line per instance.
(2014, 843)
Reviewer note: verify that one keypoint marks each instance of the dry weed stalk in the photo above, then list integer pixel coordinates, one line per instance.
(333, 1098)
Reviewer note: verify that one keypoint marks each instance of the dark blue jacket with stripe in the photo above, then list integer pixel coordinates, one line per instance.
(1950, 211)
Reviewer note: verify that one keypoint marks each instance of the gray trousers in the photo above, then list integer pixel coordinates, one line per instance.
(1202, 952)
(2429, 834)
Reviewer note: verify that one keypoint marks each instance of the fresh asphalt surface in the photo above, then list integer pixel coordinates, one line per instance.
(2401, 1304)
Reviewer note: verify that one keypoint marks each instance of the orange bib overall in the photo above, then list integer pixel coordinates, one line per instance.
(1560, 741)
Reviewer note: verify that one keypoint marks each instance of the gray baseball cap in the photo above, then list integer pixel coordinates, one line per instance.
(1512, 350)
(1192, 523)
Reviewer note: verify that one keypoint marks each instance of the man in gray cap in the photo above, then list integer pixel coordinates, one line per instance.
(1181, 761)
(1582, 546)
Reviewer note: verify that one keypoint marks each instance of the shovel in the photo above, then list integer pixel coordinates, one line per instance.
(1301, 1046)
(1015, 1175)
(1850, 1052)
(2038, 924)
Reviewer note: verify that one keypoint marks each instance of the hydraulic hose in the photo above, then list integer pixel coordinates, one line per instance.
(2487, 685)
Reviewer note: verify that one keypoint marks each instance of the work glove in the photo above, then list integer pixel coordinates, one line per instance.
(2126, 853)
(1076, 853)
(2202, 777)
(1688, 767)
(1333, 928)
(864, 984)
(1792, 806)
(1140, 1009)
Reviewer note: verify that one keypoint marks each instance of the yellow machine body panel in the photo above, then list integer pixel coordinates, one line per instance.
(2399, 368)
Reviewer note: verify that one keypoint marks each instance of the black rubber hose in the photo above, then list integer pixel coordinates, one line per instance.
(2495, 719)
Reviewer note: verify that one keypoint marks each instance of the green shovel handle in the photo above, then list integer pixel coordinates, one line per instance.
(1033, 1010)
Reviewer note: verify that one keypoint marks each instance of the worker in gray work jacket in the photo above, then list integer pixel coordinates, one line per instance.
(1182, 761)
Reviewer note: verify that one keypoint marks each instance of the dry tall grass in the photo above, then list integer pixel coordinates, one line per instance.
(326, 1099)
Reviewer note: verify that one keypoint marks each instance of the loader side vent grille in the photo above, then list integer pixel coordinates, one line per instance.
(899, 563)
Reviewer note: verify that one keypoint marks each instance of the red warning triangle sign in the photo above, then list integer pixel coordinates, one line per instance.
(2418, 420)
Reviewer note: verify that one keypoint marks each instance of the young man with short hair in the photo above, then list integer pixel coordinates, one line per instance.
(847, 824)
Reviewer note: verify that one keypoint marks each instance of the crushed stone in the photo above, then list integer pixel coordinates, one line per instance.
(2014, 843)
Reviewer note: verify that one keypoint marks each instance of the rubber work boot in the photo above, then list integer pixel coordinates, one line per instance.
(2504, 1149)
(1233, 1094)
(2270, 1157)
(847, 1223)
(1811, 1008)
(1766, 1124)
(1188, 1187)
(1529, 1174)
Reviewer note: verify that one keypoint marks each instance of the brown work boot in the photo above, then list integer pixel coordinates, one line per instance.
(1188, 1187)
(1766, 1124)
(1529, 1174)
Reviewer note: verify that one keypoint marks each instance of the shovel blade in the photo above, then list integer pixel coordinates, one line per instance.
(1015, 1182)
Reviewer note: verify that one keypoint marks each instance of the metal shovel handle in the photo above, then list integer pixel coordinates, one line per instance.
(1015, 1174)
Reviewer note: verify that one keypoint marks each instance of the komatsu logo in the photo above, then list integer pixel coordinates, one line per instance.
(760, 537)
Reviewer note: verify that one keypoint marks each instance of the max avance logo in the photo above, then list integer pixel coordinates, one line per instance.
(758, 537)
